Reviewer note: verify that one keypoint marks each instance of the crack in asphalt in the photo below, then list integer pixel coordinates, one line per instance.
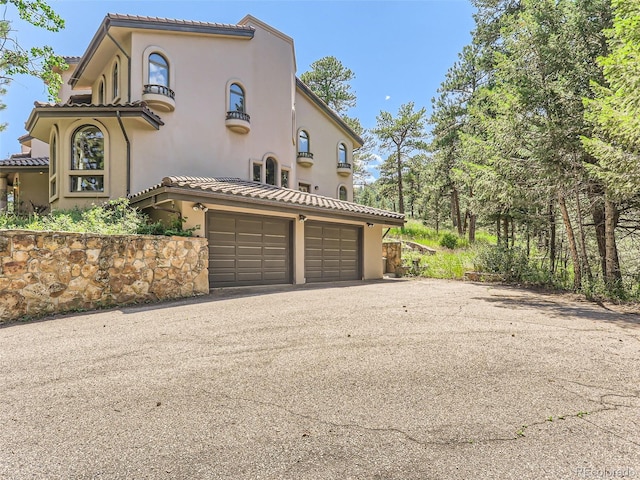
(369, 429)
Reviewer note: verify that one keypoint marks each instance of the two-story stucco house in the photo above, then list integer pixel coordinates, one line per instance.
(208, 122)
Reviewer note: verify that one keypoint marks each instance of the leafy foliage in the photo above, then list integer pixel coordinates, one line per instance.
(115, 217)
(329, 79)
(39, 61)
(449, 240)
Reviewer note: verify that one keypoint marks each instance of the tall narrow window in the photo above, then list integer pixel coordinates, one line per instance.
(115, 78)
(342, 153)
(342, 193)
(158, 70)
(271, 169)
(257, 172)
(303, 142)
(87, 160)
(236, 98)
(53, 155)
(53, 166)
(101, 95)
(284, 178)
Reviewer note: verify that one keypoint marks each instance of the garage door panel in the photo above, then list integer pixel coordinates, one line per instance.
(248, 250)
(332, 252)
(222, 250)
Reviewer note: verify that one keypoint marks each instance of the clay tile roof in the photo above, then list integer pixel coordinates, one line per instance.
(72, 60)
(134, 107)
(173, 21)
(24, 160)
(245, 189)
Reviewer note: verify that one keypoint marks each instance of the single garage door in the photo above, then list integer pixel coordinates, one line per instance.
(248, 249)
(332, 252)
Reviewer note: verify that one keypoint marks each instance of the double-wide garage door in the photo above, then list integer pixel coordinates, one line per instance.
(258, 250)
(332, 252)
(248, 249)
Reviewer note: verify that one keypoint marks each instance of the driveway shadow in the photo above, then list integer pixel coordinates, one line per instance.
(558, 305)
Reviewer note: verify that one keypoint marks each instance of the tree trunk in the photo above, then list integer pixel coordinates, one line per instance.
(472, 228)
(513, 233)
(455, 206)
(400, 192)
(597, 211)
(498, 230)
(505, 231)
(552, 238)
(575, 259)
(613, 276)
(583, 247)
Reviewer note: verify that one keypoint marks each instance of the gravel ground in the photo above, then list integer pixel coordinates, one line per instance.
(396, 379)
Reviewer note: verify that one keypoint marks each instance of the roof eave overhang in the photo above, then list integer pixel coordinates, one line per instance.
(23, 168)
(150, 24)
(318, 102)
(39, 130)
(165, 194)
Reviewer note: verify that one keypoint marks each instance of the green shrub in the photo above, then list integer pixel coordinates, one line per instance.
(449, 240)
(513, 263)
(115, 217)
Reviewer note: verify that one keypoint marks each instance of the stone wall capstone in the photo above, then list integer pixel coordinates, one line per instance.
(49, 272)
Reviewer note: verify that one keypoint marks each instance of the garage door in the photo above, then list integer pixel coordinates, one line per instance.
(331, 252)
(248, 250)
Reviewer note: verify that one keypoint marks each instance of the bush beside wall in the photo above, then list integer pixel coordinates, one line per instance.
(50, 272)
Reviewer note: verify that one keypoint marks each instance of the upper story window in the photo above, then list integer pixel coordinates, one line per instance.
(304, 157)
(157, 77)
(303, 142)
(236, 98)
(158, 70)
(115, 78)
(237, 117)
(271, 170)
(342, 153)
(87, 160)
(342, 193)
(101, 95)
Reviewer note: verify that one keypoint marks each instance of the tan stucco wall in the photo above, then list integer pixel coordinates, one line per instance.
(194, 139)
(65, 90)
(324, 139)
(372, 244)
(31, 187)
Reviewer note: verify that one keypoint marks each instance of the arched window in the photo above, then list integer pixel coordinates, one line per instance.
(115, 78)
(158, 70)
(53, 166)
(87, 154)
(303, 142)
(53, 155)
(342, 193)
(271, 170)
(342, 153)
(236, 98)
(101, 95)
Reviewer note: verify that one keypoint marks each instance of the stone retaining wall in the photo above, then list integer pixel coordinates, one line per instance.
(392, 251)
(49, 272)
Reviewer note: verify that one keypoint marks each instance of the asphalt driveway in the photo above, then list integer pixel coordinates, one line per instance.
(384, 380)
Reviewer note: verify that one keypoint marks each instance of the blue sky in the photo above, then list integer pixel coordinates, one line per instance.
(399, 50)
